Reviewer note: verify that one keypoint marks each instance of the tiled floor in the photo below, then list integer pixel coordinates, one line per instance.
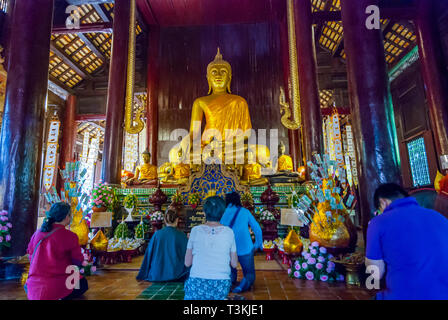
(269, 285)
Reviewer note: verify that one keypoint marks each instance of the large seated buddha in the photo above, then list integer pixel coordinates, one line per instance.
(227, 122)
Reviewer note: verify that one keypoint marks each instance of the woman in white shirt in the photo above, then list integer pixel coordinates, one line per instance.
(211, 251)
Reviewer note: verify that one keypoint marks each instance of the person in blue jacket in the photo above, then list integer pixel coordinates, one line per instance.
(240, 219)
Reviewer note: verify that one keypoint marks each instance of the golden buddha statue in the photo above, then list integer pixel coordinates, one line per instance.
(284, 162)
(176, 173)
(145, 174)
(226, 115)
(250, 172)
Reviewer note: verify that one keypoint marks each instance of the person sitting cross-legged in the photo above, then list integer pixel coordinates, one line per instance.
(164, 257)
(408, 244)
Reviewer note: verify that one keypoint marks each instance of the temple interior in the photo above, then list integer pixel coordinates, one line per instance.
(126, 109)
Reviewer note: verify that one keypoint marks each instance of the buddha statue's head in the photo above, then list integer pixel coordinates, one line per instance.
(146, 156)
(219, 75)
(281, 148)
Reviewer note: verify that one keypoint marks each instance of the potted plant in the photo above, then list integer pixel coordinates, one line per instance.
(156, 219)
(102, 197)
(129, 203)
(194, 200)
(269, 223)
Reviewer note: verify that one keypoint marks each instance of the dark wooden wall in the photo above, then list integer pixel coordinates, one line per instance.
(412, 119)
(254, 52)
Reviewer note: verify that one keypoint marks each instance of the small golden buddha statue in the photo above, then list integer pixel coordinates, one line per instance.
(177, 173)
(284, 162)
(251, 171)
(145, 174)
(226, 116)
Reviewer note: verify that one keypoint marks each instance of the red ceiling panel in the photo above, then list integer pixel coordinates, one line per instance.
(209, 12)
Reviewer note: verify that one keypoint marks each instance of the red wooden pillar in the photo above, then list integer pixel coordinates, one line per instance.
(68, 132)
(429, 51)
(309, 92)
(22, 129)
(114, 132)
(152, 118)
(370, 103)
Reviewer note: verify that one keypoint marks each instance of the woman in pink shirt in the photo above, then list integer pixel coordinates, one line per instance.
(51, 250)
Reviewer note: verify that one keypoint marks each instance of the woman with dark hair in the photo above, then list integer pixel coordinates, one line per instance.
(164, 257)
(51, 250)
(211, 251)
(240, 219)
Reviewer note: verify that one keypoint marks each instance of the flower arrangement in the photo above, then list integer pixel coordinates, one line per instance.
(315, 264)
(156, 216)
(5, 226)
(102, 196)
(87, 267)
(122, 231)
(268, 244)
(194, 199)
(130, 201)
(267, 215)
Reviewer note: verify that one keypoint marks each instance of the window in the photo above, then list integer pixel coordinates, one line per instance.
(418, 162)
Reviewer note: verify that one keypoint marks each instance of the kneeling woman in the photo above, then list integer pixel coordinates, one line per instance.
(211, 250)
(51, 250)
(164, 257)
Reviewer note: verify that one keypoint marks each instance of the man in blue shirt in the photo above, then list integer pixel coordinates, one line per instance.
(409, 244)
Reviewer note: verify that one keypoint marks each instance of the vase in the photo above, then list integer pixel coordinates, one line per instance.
(129, 217)
(270, 231)
(99, 209)
(269, 253)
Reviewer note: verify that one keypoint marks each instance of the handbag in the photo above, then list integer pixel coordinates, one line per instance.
(34, 252)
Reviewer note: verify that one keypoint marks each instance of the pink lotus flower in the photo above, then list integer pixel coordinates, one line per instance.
(296, 274)
(307, 255)
(3, 213)
(309, 275)
(331, 264)
(315, 244)
(81, 271)
(323, 278)
(84, 263)
(304, 253)
(320, 259)
(313, 251)
(1, 239)
(297, 265)
(304, 265)
(311, 261)
(329, 270)
(319, 265)
(93, 269)
(323, 250)
(8, 238)
(9, 225)
(3, 218)
(289, 271)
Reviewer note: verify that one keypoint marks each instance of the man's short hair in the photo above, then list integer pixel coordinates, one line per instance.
(391, 191)
(214, 208)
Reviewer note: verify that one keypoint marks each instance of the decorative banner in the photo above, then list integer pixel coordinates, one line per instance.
(339, 157)
(348, 170)
(130, 151)
(52, 151)
(85, 147)
(91, 161)
(330, 139)
(351, 153)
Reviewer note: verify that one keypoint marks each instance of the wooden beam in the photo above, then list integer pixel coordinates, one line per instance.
(91, 46)
(60, 84)
(103, 14)
(105, 27)
(90, 117)
(406, 13)
(329, 111)
(81, 2)
(67, 60)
